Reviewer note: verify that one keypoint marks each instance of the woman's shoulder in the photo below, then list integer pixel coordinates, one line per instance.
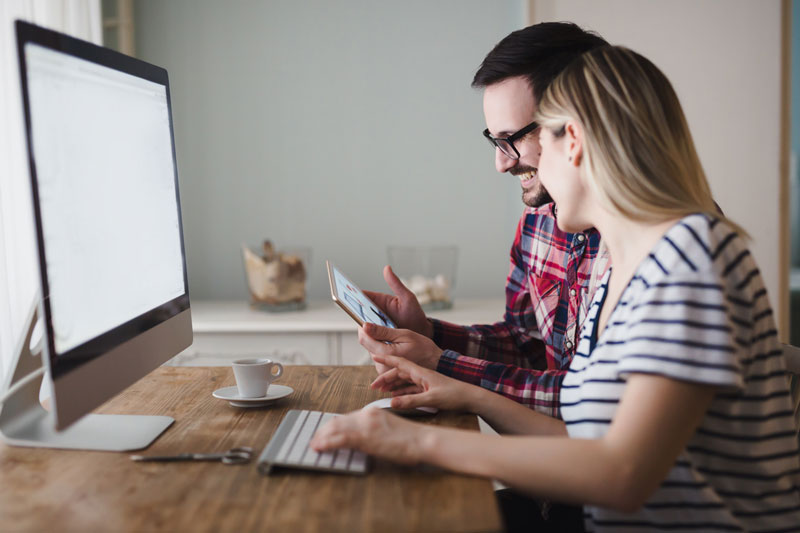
(700, 242)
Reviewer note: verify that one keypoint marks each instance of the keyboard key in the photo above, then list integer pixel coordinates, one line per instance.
(290, 439)
(310, 457)
(358, 462)
(342, 459)
(308, 429)
(326, 459)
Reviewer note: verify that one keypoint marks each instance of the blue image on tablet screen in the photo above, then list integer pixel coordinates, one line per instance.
(352, 296)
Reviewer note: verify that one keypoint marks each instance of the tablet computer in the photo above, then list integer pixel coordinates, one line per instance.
(354, 301)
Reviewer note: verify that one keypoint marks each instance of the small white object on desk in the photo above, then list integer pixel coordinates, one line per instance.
(275, 392)
(386, 403)
(254, 376)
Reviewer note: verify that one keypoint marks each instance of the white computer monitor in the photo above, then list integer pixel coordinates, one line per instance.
(114, 295)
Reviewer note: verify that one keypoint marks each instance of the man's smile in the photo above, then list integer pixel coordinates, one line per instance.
(529, 178)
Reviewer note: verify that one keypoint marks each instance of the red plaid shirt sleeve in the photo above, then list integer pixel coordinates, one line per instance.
(525, 356)
(538, 389)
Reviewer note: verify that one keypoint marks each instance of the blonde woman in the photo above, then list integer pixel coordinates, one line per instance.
(676, 410)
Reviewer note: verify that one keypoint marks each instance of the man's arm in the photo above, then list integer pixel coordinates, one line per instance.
(502, 342)
(537, 389)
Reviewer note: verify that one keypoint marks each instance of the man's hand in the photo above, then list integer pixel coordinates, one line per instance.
(414, 386)
(403, 308)
(379, 340)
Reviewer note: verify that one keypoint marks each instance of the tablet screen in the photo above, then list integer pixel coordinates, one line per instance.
(346, 294)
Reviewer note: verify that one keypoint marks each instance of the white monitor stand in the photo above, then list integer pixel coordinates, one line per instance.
(24, 422)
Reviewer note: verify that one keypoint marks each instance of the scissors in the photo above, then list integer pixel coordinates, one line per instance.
(234, 456)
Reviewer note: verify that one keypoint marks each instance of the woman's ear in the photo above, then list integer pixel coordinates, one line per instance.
(573, 134)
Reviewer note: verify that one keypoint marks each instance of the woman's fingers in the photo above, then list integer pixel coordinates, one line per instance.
(330, 442)
(389, 359)
(410, 401)
(407, 388)
(392, 387)
(332, 435)
(408, 370)
(387, 379)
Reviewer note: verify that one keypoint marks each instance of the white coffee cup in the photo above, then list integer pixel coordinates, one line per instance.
(253, 376)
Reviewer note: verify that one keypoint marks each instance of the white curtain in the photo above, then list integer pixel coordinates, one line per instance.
(18, 264)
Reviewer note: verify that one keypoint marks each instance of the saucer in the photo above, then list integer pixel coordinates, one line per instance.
(275, 392)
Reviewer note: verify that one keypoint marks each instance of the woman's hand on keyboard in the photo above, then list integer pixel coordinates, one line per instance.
(381, 434)
(375, 432)
(414, 386)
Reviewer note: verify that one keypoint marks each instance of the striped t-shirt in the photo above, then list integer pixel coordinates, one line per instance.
(696, 310)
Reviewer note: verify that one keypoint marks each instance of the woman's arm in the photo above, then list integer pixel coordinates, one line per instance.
(429, 388)
(509, 417)
(654, 421)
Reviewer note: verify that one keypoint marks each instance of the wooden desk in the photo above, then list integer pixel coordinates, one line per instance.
(46, 490)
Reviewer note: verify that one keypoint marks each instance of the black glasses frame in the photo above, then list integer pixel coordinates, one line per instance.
(500, 142)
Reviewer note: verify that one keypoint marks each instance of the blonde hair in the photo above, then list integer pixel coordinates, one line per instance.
(638, 152)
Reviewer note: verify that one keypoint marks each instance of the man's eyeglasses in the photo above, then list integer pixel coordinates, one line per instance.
(506, 144)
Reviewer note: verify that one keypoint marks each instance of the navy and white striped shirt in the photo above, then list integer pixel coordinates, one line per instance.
(696, 310)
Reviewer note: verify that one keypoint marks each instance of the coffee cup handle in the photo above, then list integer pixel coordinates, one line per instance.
(272, 376)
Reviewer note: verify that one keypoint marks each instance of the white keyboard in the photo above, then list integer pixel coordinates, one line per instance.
(288, 447)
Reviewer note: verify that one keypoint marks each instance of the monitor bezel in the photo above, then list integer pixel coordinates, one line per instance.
(61, 364)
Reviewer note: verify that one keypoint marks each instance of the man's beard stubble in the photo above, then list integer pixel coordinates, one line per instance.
(540, 195)
(540, 198)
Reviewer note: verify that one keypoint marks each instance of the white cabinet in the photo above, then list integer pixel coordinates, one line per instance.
(322, 334)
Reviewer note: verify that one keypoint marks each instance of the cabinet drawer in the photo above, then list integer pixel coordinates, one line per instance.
(219, 349)
(352, 352)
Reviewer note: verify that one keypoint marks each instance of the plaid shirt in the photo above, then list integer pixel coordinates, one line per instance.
(526, 356)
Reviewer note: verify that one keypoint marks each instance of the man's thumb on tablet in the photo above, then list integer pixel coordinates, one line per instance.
(378, 332)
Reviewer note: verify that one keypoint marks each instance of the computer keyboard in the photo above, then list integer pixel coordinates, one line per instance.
(288, 447)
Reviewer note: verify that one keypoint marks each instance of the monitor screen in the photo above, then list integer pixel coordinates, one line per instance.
(114, 294)
(107, 194)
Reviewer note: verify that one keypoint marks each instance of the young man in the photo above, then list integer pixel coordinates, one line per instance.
(525, 356)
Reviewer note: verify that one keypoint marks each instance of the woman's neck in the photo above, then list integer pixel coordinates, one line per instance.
(629, 241)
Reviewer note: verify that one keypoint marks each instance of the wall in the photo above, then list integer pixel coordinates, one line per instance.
(723, 58)
(344, 126)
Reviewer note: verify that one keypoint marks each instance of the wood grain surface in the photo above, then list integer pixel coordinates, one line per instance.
(60, 490)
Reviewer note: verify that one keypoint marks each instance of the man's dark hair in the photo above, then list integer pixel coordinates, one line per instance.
(539, 53)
